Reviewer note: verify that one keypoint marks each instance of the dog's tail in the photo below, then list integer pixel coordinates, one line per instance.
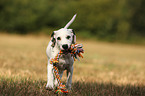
(70, 22)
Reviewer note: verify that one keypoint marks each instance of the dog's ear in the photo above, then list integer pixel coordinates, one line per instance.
(74, 37)
(53, 39)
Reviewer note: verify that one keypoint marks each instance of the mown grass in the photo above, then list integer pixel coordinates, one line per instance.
(29, 87)
(106, 69)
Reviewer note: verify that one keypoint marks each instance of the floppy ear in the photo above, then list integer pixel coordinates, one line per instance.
(74, 37)
(53, 39)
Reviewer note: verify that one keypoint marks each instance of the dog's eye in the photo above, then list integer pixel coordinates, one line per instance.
(67, 37)
(58, 38)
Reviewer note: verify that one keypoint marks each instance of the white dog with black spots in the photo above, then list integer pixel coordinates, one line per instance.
(60, 40)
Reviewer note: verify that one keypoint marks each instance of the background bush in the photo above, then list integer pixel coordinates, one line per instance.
(103, 19)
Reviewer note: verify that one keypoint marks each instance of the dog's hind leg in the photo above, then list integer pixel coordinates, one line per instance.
(60, 74)
(69, 78)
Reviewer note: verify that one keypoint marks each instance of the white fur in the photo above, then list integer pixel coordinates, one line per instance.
(65, 62)
(70, 22)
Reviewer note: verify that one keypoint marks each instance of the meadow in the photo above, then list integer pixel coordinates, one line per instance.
(107, 69)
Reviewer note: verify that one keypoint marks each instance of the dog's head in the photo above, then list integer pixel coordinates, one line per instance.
(63, 38)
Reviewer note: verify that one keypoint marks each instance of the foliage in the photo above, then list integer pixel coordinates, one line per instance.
(104, 19)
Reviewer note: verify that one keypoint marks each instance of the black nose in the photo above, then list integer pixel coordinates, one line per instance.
(65, 46)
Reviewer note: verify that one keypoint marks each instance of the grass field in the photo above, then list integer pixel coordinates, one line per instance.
(106, 69)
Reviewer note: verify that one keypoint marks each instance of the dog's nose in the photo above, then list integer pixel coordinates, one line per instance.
(65, 46)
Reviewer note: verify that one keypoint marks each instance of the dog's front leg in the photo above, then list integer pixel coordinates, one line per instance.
(69, 78)
(50, 77)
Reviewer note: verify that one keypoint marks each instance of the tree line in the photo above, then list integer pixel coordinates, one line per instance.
(104, 19)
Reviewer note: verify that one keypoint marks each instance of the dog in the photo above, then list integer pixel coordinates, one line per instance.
(61, 40)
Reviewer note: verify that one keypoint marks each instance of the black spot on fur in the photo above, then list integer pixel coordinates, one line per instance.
(73, 32)
(73, 42)
(52, 34)
(53, 39)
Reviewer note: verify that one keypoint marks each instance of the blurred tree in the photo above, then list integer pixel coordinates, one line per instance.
(138, 16)
(104, 19)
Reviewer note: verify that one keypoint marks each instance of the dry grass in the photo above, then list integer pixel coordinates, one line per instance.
(29, 87)
(119, 64)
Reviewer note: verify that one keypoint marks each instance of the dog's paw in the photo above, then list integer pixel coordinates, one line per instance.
(49, 88)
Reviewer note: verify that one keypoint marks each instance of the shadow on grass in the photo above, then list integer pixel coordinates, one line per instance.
(29, 87)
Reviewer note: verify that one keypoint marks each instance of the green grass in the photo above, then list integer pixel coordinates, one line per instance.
(106, 69)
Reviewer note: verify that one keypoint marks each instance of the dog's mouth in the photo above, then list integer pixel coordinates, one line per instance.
(66, 51)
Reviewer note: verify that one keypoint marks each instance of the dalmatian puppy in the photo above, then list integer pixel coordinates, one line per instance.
(60, 40)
